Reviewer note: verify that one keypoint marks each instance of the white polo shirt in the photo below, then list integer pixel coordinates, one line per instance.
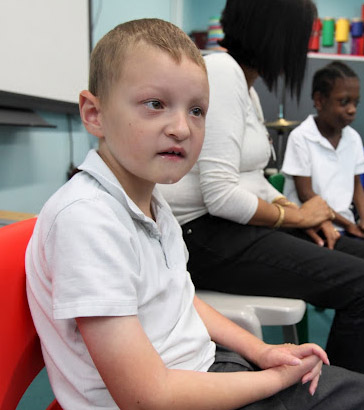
(94, 253)
(332, 170)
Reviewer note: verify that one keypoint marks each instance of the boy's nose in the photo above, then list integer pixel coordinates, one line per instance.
(178, 127)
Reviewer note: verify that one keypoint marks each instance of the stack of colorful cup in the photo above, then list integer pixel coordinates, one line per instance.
(328, 32)
(357, 30)
(215, 34)
(314, 43)
(342, 29)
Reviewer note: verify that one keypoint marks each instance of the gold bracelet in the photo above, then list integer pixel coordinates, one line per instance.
(281, 216)
(277, 198)
(287, 203)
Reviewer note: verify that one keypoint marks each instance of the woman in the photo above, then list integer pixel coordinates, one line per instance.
(226, 207)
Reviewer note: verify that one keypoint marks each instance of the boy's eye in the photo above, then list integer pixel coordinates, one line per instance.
(154, 104)
(197, 111)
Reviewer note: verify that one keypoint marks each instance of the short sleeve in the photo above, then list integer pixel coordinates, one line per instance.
(297, 161)
(92, 262)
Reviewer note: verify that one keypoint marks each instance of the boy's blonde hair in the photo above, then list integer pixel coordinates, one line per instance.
(108, 55)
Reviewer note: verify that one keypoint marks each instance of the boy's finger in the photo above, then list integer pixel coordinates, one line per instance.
(318, 351)
(313, 385)
(311, 348)
(313, 373)
(292, 360)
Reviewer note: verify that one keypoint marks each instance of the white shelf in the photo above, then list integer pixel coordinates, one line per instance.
(332, 56)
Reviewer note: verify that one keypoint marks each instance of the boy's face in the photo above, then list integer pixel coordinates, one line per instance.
(339, 109)
(153, 122)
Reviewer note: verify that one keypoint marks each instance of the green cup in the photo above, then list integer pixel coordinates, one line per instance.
(328, 31)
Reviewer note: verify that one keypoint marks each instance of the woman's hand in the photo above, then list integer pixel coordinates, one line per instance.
(311, 213)
(329, 231)
(295, 355)
(314, 212)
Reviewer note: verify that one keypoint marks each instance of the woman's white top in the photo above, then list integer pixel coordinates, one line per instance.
(228, 177)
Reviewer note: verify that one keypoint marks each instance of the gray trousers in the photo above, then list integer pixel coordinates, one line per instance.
(252, 260)
(338, 389)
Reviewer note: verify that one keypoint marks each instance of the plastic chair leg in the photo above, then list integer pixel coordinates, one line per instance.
(290, 334)
(302, 329)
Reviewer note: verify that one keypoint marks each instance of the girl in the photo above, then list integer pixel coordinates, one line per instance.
(324, 155)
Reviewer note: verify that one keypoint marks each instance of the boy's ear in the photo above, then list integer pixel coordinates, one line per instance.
(90, 113)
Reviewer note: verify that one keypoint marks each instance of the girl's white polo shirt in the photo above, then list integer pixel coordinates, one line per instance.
(332, 170)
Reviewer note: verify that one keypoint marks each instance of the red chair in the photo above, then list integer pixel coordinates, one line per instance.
(20, 353)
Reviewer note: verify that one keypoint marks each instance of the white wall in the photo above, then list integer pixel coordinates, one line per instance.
(44, 48)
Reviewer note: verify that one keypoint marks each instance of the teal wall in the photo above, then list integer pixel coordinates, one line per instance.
(109, 13)
(34, 161)
(339, 8)
(197, 13)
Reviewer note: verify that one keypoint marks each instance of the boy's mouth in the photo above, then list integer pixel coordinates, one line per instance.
(178, 153)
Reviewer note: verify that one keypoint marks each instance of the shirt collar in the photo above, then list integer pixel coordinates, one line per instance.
(96, 167)
(312, 133)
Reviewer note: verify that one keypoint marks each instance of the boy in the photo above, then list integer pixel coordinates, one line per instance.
(113, 304)
(324, 155)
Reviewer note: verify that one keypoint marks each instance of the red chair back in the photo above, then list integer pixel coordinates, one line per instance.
(20, 353)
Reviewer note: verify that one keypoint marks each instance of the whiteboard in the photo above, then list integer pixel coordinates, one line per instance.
(44, 48)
